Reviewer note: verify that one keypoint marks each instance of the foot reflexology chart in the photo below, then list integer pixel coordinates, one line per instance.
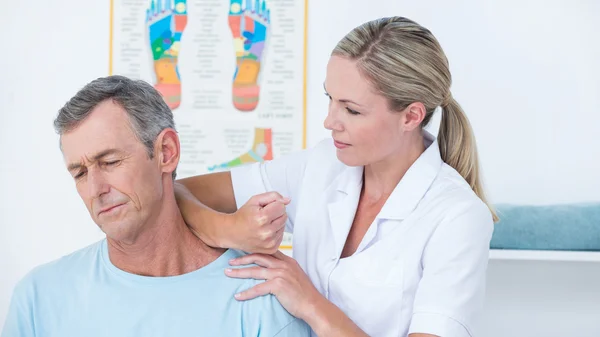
(232, 71)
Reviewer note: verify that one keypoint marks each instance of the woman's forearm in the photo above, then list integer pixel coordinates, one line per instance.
(257, 227)
(327, 320)
(214, 190)
(212, 227)
(204, 202)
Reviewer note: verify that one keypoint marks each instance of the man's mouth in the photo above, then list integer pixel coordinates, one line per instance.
(110, 209)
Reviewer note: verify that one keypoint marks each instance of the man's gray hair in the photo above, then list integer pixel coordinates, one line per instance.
(148, 113)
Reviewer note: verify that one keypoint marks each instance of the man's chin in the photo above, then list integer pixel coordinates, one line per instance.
(117, 231)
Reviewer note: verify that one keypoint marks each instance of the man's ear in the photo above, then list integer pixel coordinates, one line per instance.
(413, 116)
(167, 149)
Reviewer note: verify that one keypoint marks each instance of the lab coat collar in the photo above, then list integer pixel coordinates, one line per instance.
(345, 193)
(415, 183)
(350, 179)
(403, 200)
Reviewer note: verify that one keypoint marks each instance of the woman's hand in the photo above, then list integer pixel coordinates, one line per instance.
(284, 279)
(296, 293)
(257, 227)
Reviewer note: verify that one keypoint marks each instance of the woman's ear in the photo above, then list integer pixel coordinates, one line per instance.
(413, 116)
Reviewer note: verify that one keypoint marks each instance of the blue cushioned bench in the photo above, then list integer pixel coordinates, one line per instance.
(572, 227)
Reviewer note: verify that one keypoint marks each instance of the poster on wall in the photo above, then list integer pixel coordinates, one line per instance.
(232, 71)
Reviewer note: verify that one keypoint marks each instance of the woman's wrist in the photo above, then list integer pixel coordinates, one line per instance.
(326, 319)
(220, 229)
(224, 230)
(315, 314)
(212, 227)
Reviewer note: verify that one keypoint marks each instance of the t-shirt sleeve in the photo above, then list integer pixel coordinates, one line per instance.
(264, 316)
(283, 175)
(297, 327)
(19, 320)
(452, 289)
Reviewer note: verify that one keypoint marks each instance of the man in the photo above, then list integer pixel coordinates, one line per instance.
(151, 276)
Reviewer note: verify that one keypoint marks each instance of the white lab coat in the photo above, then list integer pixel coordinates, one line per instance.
(421, 265)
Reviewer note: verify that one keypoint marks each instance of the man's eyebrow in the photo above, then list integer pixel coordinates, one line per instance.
(74, 166)
(96, 157)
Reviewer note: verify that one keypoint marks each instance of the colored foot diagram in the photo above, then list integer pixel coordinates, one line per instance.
(166, 20)
(261, 150)
(249, 21)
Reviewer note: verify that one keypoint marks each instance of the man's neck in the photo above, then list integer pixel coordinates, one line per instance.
(167, 247)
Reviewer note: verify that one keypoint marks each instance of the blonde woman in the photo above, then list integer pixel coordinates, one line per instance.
(391, 227)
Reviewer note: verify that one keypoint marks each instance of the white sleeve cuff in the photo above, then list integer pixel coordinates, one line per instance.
(437, 324)
(247, 182)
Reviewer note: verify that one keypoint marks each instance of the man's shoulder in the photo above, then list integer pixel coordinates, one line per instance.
(263, 316)
(266, 317)
(61, 269)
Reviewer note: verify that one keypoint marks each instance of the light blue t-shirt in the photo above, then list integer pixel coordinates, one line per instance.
(84, 294)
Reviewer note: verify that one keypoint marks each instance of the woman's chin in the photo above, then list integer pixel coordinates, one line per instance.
(348, 159)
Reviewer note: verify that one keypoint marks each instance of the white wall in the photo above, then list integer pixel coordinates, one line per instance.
(526, 72)
(542, 299)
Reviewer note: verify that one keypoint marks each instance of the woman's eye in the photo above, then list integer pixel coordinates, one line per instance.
(352, 112)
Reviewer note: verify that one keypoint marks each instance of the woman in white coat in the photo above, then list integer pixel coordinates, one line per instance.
(390, 225)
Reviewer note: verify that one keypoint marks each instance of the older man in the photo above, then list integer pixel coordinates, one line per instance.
(151, 276)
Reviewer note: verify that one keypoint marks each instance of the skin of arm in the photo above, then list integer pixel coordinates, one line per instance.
(213, 190)
(208, 205)
(328, 320)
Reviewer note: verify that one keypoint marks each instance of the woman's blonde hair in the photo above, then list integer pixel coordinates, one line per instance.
(406, 64)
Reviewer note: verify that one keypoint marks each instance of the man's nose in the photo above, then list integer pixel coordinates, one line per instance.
(97, 183)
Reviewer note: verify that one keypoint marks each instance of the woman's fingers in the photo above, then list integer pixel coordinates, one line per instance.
(274, 210)
(257, 273)
(256, 291)
(262, 260)
(267, 198)
(279, 223)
